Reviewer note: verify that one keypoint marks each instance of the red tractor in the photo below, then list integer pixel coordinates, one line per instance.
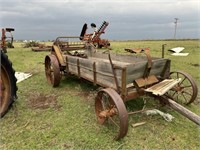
(4, 43)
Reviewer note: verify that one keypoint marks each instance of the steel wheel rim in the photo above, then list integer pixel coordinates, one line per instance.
(49, 70)
(52, 70)
(5, 90)
(184, 92)
(109, 101)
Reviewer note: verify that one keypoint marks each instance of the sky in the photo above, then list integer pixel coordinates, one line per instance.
(128, 19)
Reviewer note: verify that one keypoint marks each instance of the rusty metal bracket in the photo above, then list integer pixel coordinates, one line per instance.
(142, 82)
(114, 73)
(59, 55)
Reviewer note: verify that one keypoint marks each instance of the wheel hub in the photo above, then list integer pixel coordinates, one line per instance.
(178, 88)
(108, 113)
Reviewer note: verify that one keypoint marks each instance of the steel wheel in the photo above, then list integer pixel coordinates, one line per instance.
(111, 111)
(52, 70)
(184, 92)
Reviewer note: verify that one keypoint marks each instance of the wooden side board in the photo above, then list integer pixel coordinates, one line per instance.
(99, 71)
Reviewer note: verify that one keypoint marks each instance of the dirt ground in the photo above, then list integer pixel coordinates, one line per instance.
(42, 101)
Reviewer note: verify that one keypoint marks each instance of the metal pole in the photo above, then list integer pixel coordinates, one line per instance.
(176, 21)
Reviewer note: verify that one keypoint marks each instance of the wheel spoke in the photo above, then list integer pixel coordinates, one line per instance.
(177, 75)
(177, 96)
(188, 86)
(174, 93)
(183, 80)
(184, 97)
(110, 118)
(104, 101)
(187, 93)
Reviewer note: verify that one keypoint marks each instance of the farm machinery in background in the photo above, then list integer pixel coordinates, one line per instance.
(8, 80)
(71, 43)
(4, 43)
(76, 45)
(95, 36)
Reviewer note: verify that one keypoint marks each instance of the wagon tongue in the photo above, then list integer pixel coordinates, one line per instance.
(162, 87)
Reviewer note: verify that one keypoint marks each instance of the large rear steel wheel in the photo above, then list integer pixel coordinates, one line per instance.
(52, 70)
(7, 84)
(111, 111)
(185, 92)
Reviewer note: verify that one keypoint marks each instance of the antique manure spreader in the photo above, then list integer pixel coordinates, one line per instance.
(122, 78)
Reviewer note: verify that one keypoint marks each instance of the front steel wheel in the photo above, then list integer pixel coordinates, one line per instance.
(52, 70)
(185, 92)
(111, 111)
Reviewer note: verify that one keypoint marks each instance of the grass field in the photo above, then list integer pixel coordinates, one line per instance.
(64, 118)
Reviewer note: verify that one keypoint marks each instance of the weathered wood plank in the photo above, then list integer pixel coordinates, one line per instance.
(86, 63)
(121, 58)
(185, 112)
(117, 63)
(158, 66)
(103, 73)
(135, 71)
(162, 87)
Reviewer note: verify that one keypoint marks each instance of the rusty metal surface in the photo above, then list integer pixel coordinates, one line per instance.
(114, 73)
(101, 30)
(4, 44)
(3, 41)
(59, 55)
(69, 43)
(52, 70)
(41, 48)
(141, 82)
(112, 109)
(95, 37)
(123, 93)
(133, 94)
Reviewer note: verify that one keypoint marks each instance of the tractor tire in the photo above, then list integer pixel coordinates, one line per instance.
(7, 84)
(4, 49)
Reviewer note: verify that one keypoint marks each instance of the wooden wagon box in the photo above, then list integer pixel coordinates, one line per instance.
(98, 69)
